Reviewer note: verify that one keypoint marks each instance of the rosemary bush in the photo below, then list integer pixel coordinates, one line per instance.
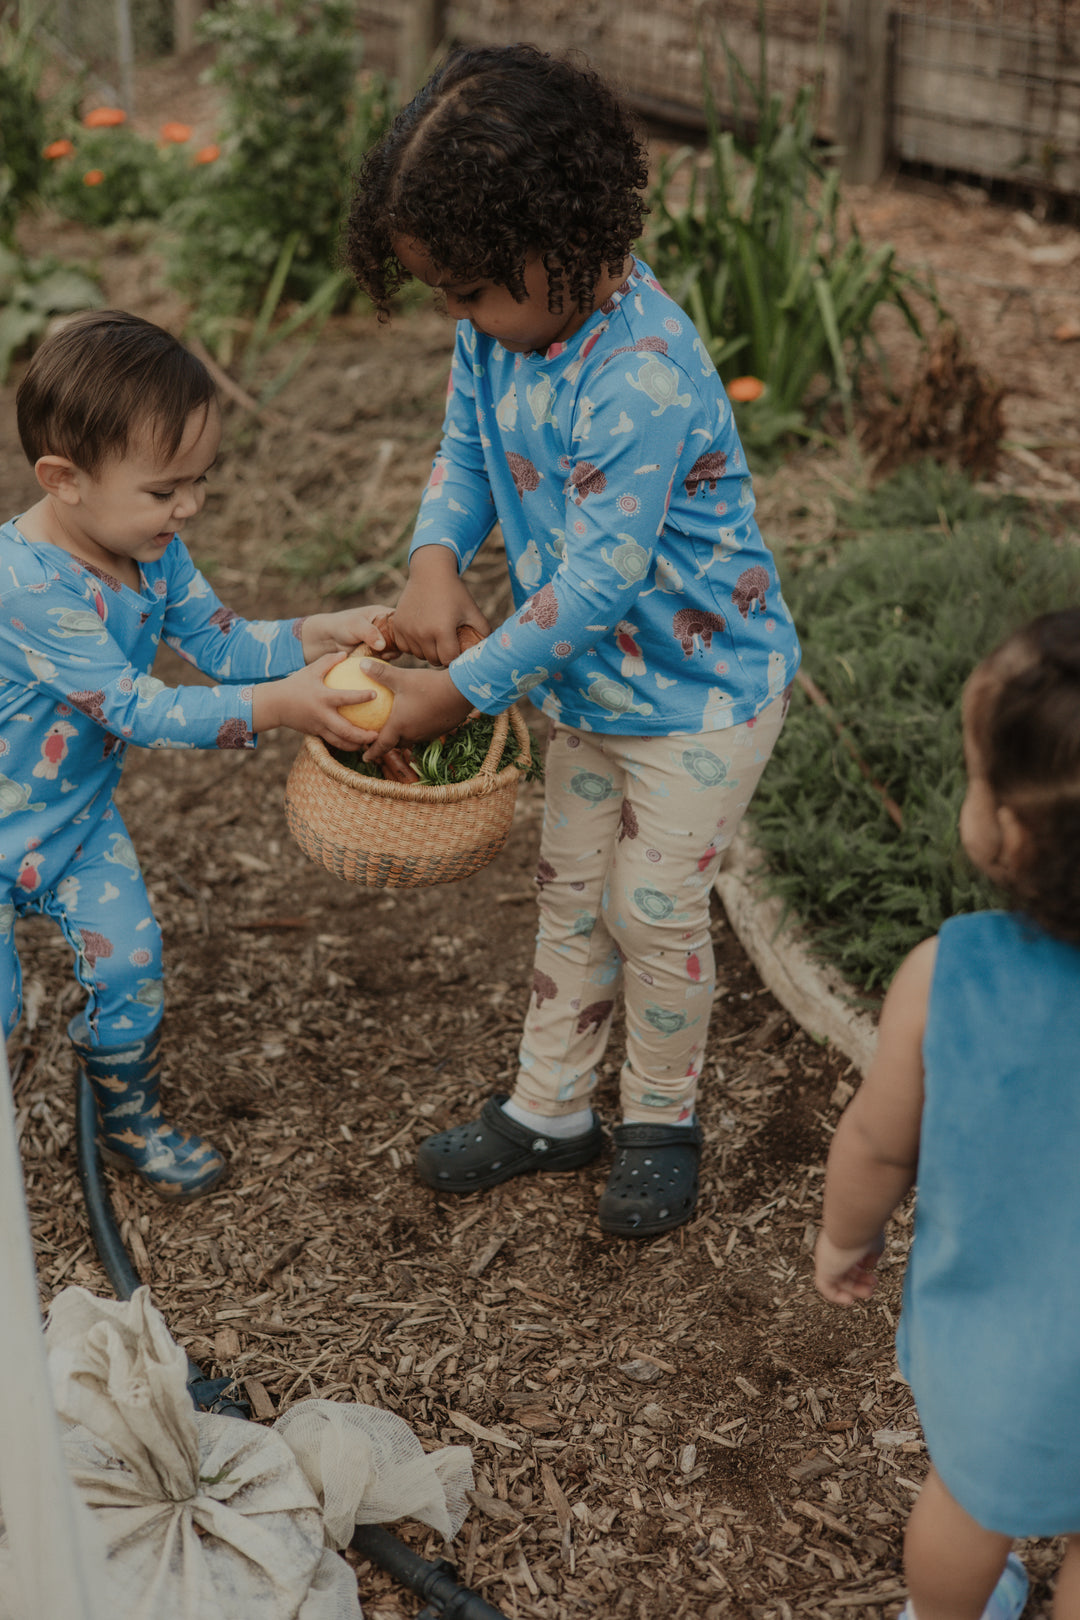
(297, 116)
(891, 629)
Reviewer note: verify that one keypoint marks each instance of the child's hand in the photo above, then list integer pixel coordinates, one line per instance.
(432, 605)
(845, 1275)
(323, 633)
(426, 703)
(301, 701)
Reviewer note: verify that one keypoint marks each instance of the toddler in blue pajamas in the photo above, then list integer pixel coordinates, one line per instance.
(121, 425)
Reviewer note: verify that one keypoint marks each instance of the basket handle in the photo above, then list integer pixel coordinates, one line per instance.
(468, 637)
(509, 718)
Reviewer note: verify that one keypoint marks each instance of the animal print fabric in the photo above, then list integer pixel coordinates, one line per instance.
(646, 600)
(634, 829)
(77, 650)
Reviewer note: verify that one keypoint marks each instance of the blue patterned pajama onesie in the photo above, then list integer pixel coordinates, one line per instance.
(649, 626)
(77, 648)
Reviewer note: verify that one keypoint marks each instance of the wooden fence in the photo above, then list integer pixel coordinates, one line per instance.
(988, 89)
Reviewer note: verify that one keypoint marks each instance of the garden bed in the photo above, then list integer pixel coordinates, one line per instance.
(678, 1427)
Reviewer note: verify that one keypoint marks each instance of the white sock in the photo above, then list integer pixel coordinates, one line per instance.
(630, 1118)
(560, 1125)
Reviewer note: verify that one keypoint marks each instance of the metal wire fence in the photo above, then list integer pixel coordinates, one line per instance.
(103, 38)
(991, 87)
(986, 88)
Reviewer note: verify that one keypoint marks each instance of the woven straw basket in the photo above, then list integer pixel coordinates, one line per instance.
(403, 835)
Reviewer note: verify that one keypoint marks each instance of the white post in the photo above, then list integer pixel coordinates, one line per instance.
(125, 54)
(55, 1559)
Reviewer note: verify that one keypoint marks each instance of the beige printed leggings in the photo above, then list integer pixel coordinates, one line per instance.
(634, 828)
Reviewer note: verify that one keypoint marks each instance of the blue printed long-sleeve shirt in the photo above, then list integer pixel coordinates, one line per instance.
(77, 648)
(646, 601)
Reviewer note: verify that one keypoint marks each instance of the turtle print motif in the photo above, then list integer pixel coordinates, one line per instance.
(613, 469)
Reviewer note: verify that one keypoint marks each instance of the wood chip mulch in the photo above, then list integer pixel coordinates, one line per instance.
(677, 1427)
(673, 1429)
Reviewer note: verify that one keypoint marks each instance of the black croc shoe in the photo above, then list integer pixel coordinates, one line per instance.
(495, 1147)
(653, 1184)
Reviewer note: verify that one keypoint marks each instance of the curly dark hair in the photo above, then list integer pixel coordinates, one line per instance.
(506, 152)
(1027, 731)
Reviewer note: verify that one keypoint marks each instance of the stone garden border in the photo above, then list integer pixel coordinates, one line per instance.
(817, 997)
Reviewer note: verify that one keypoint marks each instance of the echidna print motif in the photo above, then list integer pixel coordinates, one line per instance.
(632, 840)
(77, 649)
(645, 598)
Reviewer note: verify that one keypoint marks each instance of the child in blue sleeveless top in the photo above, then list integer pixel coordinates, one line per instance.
(974, 1095)
(586, 418)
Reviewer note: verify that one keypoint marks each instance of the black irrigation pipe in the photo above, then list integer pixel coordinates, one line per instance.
(437, 1583)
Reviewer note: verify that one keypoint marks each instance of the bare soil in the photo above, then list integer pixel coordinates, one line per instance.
(661, 1430)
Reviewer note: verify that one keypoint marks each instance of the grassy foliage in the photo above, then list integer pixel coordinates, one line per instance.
(891, 629)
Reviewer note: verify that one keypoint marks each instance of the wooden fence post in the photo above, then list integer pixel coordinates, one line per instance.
(423, 28)
(863, 93)
(186, 14)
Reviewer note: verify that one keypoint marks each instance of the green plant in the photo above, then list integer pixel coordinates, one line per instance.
(22, 127)
(112, 175)
(891, 630)
(305, 322)
(752, 241)
(456, 757)
(32, 293)
(296, 114)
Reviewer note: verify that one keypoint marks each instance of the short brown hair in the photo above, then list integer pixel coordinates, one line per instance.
(102, 377)
(1027, 730)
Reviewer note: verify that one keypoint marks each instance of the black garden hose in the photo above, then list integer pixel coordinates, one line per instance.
(436, 1583)
(208, 1394)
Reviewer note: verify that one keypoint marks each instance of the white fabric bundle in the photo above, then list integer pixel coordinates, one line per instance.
(205, 1516)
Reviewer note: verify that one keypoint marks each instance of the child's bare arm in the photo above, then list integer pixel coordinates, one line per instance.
(434, 602)
(875, 1150)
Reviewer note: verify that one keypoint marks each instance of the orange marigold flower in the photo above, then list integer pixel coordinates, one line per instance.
(176, 133)
(105, 118)
(208, 154)
(93, 177)
(743, 389)
(58, 149)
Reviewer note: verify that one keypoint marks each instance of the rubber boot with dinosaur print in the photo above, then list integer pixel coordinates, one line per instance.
(132, 1133)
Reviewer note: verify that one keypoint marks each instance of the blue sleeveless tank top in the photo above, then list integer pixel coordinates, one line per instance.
(989, 1336)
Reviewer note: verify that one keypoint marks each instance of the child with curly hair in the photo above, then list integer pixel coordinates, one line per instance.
(121, 425)
(972, 1095)
(586, 418)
